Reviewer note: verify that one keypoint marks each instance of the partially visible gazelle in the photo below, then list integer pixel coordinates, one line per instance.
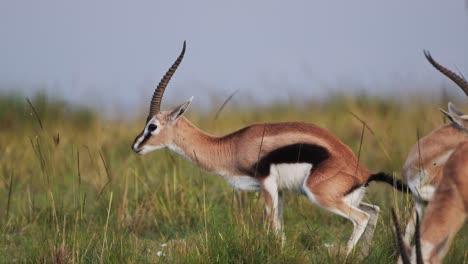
(445, 215)
(423, 167)
(272, 158)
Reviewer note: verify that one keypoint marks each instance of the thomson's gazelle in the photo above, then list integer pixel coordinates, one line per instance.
(272, 158)
(423, 166)
(445, 214)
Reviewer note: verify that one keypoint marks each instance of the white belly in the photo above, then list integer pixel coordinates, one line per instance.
(243, 183)
(290, 177)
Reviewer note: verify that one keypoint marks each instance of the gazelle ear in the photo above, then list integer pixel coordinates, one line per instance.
(454, 110)
(456, 119)
(179, 111)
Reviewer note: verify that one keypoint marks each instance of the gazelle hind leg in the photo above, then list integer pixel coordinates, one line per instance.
(373, 211)
(358, 217)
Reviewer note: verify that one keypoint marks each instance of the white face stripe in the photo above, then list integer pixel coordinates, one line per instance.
(146, 149)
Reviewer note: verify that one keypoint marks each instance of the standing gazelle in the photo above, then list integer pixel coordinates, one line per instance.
(423, 166)
(272, 158)
(445, 214)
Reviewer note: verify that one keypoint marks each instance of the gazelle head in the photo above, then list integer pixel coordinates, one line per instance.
(459, 119)
(158, 130)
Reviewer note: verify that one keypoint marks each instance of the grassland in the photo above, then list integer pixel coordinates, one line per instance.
(72, 191)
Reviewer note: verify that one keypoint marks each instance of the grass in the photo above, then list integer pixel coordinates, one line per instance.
(72, 191)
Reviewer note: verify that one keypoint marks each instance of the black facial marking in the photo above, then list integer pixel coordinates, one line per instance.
(296, 153)
(145, 138)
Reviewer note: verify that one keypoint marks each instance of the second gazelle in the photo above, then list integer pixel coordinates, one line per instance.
(272, 158)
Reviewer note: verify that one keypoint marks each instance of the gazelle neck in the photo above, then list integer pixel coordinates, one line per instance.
(204, 150)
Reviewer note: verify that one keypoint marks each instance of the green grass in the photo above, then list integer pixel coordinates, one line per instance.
(88, 198)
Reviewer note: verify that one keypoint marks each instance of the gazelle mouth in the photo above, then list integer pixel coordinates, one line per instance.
(137, 151)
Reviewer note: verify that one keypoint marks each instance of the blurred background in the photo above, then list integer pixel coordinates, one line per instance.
(111, 54)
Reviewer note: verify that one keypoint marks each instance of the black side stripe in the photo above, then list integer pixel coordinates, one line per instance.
(295, 153)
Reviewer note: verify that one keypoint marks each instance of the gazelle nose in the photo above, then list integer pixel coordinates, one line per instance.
(135, 148)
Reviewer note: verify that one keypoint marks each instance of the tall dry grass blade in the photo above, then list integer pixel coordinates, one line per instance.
(104, 241)
(87, 247)
(382, 147)
(10, 193)
(400, 242)
(35, 113)
(109, 177)
(360, 148)
(224, 104)
(204, 203)
(54, 211)
(75, 252)
(420, 165)
(78, 165)
(93, 162)
(83, 206)
(259, 151)
(62, 254)
(124, 205)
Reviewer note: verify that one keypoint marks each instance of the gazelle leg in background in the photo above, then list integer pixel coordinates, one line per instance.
(410, 227)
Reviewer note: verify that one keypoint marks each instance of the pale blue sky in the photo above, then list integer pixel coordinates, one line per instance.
(114, 52)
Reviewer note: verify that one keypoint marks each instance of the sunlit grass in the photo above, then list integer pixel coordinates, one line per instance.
(74, 192)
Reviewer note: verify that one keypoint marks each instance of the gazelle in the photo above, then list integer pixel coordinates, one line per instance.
(423, 166)
(445, 214)
(272, 158)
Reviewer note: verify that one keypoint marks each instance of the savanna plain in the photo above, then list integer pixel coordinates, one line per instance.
(72, 191)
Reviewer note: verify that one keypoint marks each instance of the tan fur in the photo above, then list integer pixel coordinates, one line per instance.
(447, 212)
(431, 152)
(423, 167)
(228, 154)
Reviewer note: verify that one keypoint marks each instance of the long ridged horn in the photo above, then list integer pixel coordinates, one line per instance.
(401, 244)
(459, 80)
(159, 91)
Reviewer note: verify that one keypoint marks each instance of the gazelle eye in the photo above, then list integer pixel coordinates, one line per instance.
(152, 127)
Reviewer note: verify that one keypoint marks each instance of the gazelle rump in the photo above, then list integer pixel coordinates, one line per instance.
(272, 158)
(423, 166)
(445, 215)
